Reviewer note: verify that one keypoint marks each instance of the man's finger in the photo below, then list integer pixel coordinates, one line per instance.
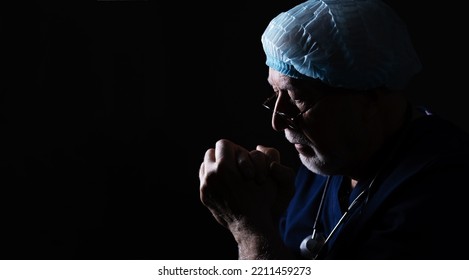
(271, 153)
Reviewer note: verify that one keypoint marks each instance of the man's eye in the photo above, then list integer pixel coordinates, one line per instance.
(300, 103)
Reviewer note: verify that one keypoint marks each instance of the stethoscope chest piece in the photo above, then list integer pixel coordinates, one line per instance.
(310, 246)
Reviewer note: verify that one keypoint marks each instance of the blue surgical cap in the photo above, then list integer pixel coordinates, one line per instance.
(356, 44)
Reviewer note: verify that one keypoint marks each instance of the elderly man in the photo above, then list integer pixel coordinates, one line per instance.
(380, 178)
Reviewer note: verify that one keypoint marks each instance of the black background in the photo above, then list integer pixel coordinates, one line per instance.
(107, 109)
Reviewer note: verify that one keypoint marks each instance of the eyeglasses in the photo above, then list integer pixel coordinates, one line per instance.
(291, 121)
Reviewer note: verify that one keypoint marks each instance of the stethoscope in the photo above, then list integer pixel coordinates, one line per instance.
(312, 244)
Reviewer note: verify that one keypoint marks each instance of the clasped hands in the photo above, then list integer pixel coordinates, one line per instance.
(245, 191)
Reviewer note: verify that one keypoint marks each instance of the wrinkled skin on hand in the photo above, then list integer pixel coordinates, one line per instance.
(245, 190)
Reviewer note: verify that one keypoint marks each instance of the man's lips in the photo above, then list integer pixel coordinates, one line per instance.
(304, 149)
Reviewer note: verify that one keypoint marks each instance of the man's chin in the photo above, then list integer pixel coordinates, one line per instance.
(314, 164)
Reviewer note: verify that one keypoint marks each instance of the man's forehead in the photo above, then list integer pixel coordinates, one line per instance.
(278, 79)
(285, 82)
